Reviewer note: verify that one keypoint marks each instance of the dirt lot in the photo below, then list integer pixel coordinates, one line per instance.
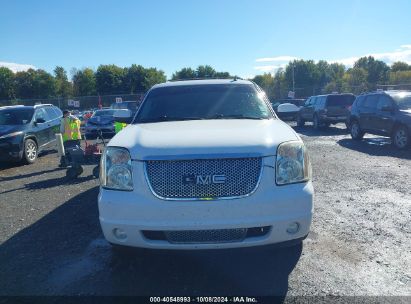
(51, 242)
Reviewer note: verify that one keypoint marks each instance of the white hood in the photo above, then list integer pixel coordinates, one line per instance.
(204, 138)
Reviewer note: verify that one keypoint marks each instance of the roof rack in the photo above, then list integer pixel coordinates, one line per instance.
(234, 78)
(42, 104)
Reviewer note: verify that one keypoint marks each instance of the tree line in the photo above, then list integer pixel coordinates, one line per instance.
(306, 76)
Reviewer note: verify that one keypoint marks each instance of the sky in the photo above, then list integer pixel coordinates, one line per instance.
(245, 38)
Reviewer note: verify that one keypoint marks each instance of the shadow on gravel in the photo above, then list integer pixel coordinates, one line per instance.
(51, 183)
(330, 131)
(378, 146)
(28, 175)
(64, 253)
(14, 164)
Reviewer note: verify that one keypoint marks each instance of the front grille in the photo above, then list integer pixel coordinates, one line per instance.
(206, 236)
(168, 179)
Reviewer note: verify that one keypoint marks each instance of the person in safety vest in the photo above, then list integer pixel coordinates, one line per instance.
(118, 126)
(70, 129)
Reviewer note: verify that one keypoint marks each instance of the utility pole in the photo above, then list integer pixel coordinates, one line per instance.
(293, 79)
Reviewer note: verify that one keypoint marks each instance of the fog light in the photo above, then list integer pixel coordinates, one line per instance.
(119, 234)
(293, 228)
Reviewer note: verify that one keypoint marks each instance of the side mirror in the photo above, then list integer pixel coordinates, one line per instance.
(40, 120)
(123, 115)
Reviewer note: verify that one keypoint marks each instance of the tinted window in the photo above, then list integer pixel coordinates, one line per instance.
(15, 116)
(203, 102)
(340, 100)
(58, 111)
(51, 113)
(403, 100)
(384, 101)
(41, 114)
(371, 101)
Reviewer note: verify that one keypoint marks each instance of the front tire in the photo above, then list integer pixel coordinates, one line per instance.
(300, 121)
(355, 130)
(316, 122)
(401, 138)
(30, 151)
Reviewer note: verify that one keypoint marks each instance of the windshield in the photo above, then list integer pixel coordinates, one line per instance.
(104, 113)
(340, 100)
(15, 116)
(403, 99)
(203, 102)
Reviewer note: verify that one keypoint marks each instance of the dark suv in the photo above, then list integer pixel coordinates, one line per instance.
(324, 110)
(383, 113)
(26, 130)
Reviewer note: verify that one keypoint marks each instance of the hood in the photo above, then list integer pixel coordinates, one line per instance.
(101, 120)
(7, 129)
(204, 139)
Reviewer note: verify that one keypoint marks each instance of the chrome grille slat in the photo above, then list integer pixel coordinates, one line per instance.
(165, 177)
(206, 236)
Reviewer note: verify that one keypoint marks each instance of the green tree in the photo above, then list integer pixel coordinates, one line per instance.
(377, 71)
(6, 83)
(266, 82)
(184, 73)
(34, 84)
(205, 71)
(134, 79)
(84, 82)
(306, 77)
(152, 77)
(355, 80)
(400, 77)
(400, 66)
(63, 86)
(109, 79)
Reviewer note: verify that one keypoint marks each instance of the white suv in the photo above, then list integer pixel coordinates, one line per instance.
(205, 164)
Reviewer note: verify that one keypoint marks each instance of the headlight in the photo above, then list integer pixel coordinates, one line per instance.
(116, 170)
(292, 164)
(11, 134)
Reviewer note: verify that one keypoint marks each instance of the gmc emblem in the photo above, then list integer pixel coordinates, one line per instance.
(204, 179)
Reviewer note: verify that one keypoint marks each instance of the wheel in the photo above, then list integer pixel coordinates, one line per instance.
(30, 151)
(71, 173)
(96, 171)
(316, 122)
(79, 170)
(355, 130)
(300, 121)
(401, 138)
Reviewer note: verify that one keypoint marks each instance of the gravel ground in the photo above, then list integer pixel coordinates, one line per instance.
(51, 242)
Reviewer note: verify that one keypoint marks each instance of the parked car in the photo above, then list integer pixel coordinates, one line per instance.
(205, 164)
(324, 110)
(26, 130)
(126, 105)
(287, 111)
(383, 113)
(102, 120)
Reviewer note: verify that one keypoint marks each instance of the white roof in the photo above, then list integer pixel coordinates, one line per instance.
(201, 82)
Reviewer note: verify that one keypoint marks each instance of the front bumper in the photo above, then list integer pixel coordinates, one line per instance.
(11, 149)
(276, 207)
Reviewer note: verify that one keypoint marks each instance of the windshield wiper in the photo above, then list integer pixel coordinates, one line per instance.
(239, 116)
(167, 118)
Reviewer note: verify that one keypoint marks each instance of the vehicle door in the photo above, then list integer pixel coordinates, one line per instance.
(368, 111)
(41, 126)
(307, 110)
(53, 123)
(384, 119)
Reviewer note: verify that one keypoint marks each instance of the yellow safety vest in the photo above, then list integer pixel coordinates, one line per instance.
(118, 126)
(71, 129)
